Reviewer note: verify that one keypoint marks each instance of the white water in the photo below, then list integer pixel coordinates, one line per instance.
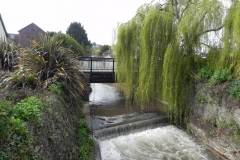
(164, 143)
(108, 109)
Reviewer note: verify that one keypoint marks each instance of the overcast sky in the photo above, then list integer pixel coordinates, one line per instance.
(99, 17)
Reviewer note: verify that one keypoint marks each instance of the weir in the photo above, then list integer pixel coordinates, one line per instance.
(133, 127)
(133, 134)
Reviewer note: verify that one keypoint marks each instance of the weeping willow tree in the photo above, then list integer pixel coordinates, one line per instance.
(194, 21)
(230, 56)
(156, 56)
(128, 51)
(156, 32)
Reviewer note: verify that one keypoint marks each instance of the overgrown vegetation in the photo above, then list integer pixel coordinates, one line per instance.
(103, 49)
(166, 46)
(159, 51)
(234, 89)
(56, 87)
(86, 143)
(15, 141)
(8, 55)
(220, 76)
(69, 42)
(46, 64)
(205, 72)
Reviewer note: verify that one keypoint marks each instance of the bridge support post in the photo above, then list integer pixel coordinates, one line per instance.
(87, 87)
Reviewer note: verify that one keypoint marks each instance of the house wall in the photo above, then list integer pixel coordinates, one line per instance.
(2, 32)
(30, 32)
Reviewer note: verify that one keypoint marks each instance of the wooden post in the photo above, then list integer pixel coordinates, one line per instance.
(113, 71)
(91, 71)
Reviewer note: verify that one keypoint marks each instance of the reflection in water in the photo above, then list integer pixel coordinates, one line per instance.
(164, 143)
(107, 100)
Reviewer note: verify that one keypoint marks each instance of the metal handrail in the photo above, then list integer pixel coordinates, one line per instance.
(97, 59)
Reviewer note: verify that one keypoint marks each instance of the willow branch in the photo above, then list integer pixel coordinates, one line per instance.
(185, 8)
(174, 2)
(210, 30)
(206, 45)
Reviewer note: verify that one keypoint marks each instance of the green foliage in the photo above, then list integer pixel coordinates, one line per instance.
(222, 124)
(128, 54)
(28, 109)
(52, 33)
(42, 63)
(8, 55)
(156, 27)
(45, 62)
(156, 52)
(235, 127)
(21, 77)
(77, 31)
(230, 56)
(15, 140)
(103, 49)
(83, 125)
(234, 89)
(56, 87)
(213, 57)
(86, 143)
(18, 126)
(69, 42)
(205, 72)
(220, 76)
(201, 98)
(5, 114)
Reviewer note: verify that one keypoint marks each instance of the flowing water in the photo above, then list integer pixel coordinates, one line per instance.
(108, 108)
(129, 133)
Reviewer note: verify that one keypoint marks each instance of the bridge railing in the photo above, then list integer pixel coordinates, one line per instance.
(97, 64)
(101, 70)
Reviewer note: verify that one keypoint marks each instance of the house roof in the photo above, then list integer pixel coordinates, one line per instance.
(29, 25)
(3, 26)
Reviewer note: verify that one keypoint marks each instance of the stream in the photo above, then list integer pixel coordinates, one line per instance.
(125, 132)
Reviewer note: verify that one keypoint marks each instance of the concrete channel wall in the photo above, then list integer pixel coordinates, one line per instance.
(215, 119)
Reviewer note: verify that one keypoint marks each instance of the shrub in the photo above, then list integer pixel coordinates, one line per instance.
(15, 142)
(205, 72)
(23, 78)
(234, 89)
(55, 87)
(28, 110)
(46, 62)
(69, 42)
(220, 76)
(5, 114)
(8, 55)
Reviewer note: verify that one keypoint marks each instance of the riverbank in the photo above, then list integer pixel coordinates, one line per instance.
(94, 153)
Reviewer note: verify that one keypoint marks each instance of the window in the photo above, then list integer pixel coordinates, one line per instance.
(32, 30)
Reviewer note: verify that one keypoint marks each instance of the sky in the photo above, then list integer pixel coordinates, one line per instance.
(99, 17)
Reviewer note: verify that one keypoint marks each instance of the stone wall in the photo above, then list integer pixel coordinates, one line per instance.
(57, 137)
(215, 119)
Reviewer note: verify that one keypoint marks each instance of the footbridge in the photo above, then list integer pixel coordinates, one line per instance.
(100, 70)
